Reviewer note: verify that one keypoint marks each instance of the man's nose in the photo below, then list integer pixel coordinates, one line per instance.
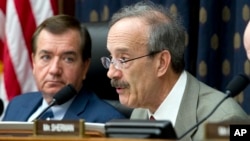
(55, 67)
(114, 73)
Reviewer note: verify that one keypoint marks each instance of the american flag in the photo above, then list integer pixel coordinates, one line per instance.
(18, 21)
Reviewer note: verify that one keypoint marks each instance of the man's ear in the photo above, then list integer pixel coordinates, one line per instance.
(163, 62)
(32, 59)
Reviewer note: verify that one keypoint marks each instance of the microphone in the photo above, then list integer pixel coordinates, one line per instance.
(238, 84)
(1, 107)
(64, 95)
(60, 97)
(234, 87)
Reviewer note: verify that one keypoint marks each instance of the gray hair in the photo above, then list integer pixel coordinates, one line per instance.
(165, 29)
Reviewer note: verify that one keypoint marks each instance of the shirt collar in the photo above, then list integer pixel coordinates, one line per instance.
(58, 110)
(169, 108)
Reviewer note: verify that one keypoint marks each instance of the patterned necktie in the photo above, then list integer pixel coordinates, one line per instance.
(47, 115)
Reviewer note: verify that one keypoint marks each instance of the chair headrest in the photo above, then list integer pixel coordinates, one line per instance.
(97, 79)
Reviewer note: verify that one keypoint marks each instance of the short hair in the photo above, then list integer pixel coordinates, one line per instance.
(61, 23)
(165, 29)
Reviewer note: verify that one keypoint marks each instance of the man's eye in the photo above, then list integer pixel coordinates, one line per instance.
(69, 59)
(123, 59)
(45, 57)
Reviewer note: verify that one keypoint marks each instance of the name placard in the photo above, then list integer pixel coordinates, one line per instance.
(59, 127)
(217, 131)
(228, 130)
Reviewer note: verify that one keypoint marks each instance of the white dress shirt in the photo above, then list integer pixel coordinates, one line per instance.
(58, 110)
(169, 108)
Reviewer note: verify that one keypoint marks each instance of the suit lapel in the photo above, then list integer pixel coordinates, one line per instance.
(187, 116)
(29, 107)
(77, 106)
(139, 113)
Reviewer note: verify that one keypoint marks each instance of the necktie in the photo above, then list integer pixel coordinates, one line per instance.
(47, 115)
(152, 117)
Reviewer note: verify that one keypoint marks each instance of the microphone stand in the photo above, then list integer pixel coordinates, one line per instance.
(52, 103)
(201, 121)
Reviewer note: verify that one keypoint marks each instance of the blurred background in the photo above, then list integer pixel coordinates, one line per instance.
(214, 37)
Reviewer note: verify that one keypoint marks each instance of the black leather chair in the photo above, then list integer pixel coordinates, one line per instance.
(97, 79)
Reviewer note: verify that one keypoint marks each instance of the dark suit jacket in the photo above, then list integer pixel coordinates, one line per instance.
(86, 105)
(197, 102)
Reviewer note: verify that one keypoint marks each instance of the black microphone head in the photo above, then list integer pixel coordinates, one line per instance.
(237, 84)
(1, 107)
(64, 94)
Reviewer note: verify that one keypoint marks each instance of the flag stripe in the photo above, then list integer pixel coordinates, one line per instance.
(2, 19)
(3, 7)
(22, 17)
(40, 13)
(11, 84)
(2, 23)
(18, 59)
(27, 22)
(54, 6)
(2, 27)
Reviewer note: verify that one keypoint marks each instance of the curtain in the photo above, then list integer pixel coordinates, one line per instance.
(220, 53)
(214, 47)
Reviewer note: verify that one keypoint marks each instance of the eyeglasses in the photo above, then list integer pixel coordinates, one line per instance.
(121, 63)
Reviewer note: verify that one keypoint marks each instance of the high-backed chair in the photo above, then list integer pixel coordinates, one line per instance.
(97, 79)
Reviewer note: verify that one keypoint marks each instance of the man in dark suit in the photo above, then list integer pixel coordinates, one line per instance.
(61, 55)
(146, 44)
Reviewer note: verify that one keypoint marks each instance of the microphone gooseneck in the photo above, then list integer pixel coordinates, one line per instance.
(64, 95)
(233, 88)
(60, 97)
(238, 84)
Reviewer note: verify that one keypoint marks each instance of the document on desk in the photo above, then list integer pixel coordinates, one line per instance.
(16, 125)
(89, 126)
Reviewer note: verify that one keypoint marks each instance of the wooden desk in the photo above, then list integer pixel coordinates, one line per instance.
(53, 138)
(26, 134)
(8, 138)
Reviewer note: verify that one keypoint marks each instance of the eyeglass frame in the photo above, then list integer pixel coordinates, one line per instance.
(114, 61)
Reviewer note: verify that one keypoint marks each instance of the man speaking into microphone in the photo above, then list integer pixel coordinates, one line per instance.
(61, 53)
(146, 44)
